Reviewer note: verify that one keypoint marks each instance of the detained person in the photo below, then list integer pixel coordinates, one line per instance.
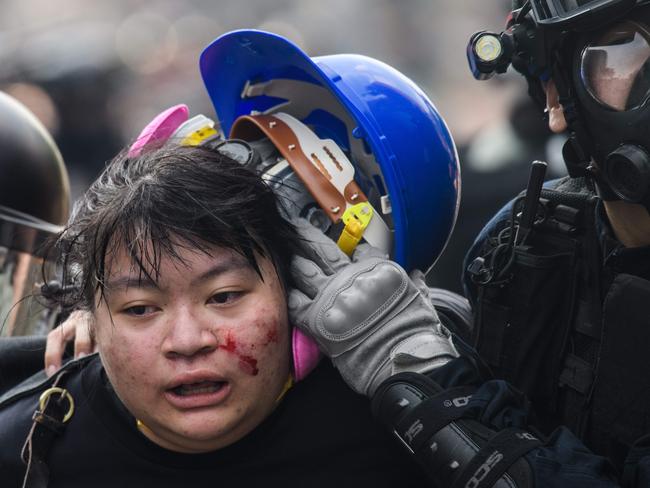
(181, 257)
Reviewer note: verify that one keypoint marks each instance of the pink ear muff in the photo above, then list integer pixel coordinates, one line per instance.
(160, 128)
(306, 354)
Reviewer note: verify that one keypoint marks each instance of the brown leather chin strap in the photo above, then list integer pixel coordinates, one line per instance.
(309, 168)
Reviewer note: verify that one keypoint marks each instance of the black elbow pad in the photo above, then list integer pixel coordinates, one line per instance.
(454, 451)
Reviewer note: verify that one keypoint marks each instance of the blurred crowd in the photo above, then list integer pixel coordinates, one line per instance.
(96, 72)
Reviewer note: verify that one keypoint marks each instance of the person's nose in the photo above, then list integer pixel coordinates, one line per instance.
(190, 331)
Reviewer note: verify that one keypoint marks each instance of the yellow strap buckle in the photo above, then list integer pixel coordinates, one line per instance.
(356, 219)
(199, 135)
(42, 401)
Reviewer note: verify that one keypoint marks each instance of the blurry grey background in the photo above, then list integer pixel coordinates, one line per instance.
(96, 72)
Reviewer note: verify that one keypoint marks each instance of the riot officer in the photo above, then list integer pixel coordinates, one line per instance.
(559, 283)
(34, 205)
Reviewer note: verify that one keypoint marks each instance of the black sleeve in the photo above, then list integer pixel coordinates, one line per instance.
(494, 438)
(20, 357)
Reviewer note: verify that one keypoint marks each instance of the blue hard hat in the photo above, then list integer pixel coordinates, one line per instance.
(392, 132)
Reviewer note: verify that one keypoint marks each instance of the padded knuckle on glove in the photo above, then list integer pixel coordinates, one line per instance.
(360, 300)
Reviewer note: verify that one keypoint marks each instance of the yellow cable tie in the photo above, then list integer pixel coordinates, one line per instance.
(356, 219)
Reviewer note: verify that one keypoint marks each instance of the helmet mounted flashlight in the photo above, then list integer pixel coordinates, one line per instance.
(531, 30)
(489, 53)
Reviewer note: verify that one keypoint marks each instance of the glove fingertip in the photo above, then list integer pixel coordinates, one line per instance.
(295, 299)
(367, 251)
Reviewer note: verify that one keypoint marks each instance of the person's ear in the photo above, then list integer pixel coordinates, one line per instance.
(556, 120)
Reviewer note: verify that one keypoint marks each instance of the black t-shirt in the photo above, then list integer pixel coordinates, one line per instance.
(321, 434)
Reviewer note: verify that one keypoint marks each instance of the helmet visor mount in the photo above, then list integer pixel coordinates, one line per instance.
(615, 68)
(577, 13)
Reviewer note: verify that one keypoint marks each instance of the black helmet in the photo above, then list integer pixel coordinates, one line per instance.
(598, 54)
(34, 179)
(34, 204)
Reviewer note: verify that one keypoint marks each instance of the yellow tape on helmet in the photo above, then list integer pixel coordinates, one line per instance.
(198, 136)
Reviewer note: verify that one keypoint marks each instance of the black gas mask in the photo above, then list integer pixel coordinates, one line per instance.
(612, 83)
(598, 54)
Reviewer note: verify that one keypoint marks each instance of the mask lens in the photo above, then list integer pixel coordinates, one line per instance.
(615, 68)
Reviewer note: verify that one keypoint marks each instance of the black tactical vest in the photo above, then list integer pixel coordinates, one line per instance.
(574, 337)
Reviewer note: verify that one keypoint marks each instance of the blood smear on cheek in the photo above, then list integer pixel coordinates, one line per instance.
(248, 364)
(272, 336)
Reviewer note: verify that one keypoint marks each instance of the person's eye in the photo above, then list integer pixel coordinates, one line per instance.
(225, 297)
(139, 310)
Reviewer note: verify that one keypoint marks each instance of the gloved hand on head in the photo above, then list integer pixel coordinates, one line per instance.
(366, 313)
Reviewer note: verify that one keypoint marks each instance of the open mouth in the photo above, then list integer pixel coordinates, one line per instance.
(197, 389)
(200, 388)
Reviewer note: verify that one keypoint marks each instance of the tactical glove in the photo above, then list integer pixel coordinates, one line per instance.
(366, 314)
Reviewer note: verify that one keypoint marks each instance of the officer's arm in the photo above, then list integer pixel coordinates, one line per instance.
(379, 328)
(468, 432)
(20, 357)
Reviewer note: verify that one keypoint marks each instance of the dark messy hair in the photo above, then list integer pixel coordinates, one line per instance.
(165, 198)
